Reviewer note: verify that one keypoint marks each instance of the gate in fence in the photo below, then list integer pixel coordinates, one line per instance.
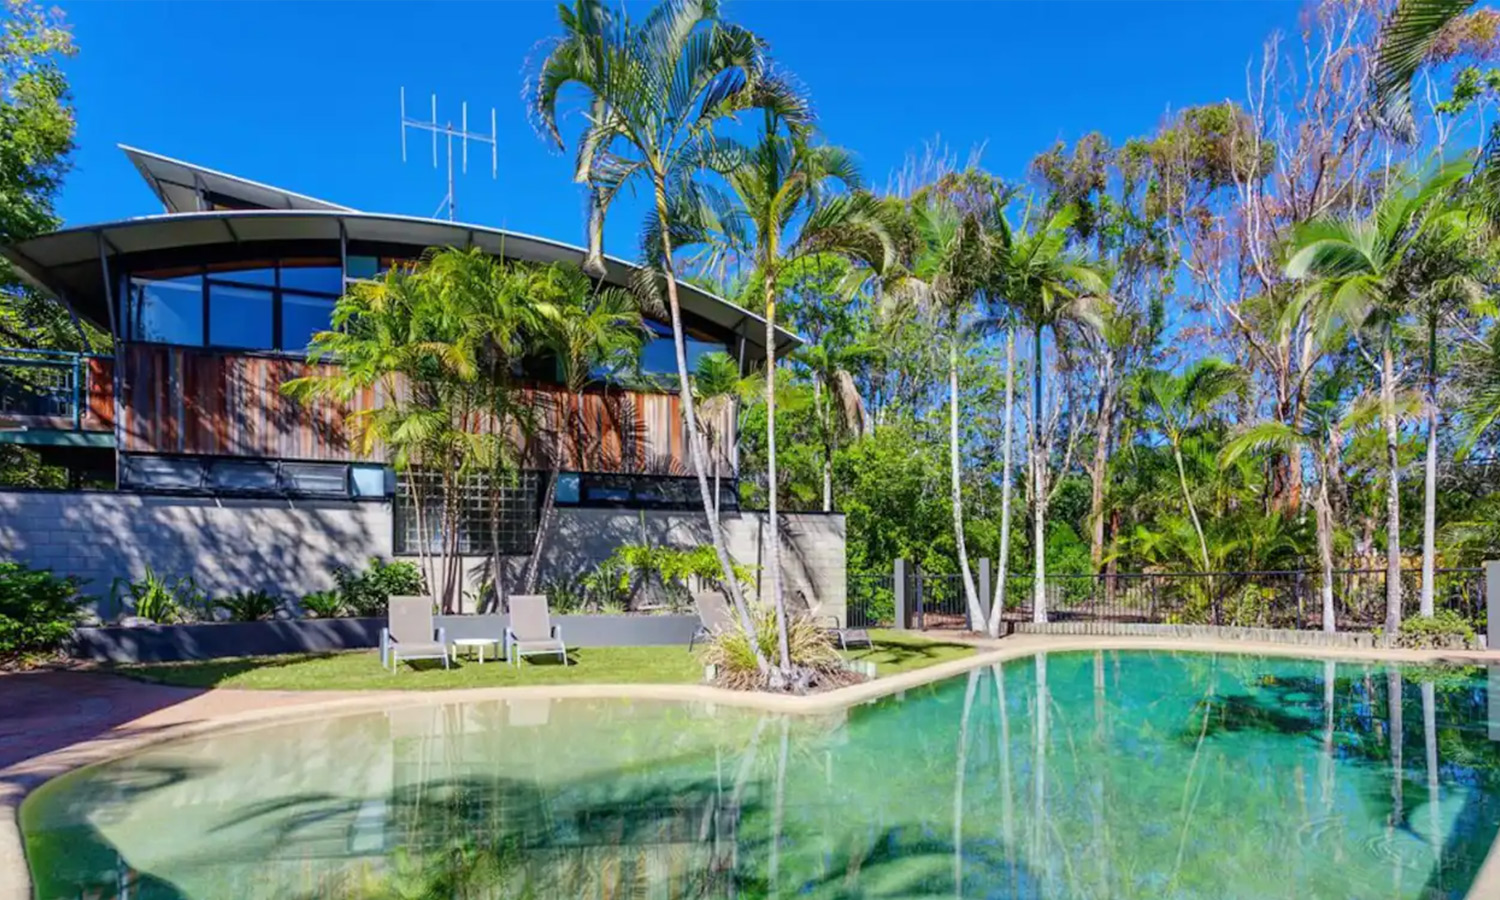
(1285, 599)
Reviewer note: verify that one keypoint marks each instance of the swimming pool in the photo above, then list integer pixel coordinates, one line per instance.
(1070, 775)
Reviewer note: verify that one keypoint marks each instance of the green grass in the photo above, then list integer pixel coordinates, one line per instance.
(896, 652)
(360, 670)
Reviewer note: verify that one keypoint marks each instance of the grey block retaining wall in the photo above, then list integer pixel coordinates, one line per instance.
(178, 643)
(291, 547)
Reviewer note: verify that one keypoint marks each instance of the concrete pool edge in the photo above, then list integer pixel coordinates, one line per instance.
(264, 708)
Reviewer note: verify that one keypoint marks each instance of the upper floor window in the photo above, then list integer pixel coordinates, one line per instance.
(264, 305)
(659, 355)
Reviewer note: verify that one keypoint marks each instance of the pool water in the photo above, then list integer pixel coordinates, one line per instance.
(1073, 775)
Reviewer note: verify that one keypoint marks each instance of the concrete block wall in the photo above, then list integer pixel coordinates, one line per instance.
(293, 546)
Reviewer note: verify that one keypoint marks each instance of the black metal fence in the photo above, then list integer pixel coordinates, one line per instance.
(1267, 599)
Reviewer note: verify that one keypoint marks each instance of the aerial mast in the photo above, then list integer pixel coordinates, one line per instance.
(448, 132)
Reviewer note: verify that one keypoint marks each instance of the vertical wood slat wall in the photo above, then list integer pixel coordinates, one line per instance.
(189, 401)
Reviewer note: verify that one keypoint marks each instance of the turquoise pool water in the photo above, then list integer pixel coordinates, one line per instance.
(1076, 775)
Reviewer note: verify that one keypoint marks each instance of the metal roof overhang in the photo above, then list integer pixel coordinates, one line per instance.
(68, 263)
(177, 184)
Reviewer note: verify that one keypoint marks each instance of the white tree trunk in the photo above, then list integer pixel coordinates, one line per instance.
(1392, 490)
(773, 553)
(1429, 505)
(1003, 570)
(1325, 554)
(971, 594)
(1007, 802)
(958, 787)
(1038, 491)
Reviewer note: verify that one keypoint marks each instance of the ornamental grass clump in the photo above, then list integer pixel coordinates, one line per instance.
(816, 663)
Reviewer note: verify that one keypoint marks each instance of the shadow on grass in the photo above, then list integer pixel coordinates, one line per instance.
(212, 673)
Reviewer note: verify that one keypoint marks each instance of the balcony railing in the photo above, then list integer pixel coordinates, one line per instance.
(47, 388)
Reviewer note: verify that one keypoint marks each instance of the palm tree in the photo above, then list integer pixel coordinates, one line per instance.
(997, 608)
(837, 402)
(588, 332)
(1180, 403)
(1046, 284)
(656, 91)
(1357, 273)
(942, 278)
(784, 207)
(1406, 39)
(1325, 423)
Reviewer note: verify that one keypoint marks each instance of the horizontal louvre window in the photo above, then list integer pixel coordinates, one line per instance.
(315, 478)
(249, 475)
(639, 491)
(161, 473)
(254, 477)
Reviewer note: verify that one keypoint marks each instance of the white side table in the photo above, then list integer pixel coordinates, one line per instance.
(476, 646)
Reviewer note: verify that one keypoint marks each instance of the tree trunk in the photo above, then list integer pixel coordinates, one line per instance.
(1187, 497)
(1430, 743)
(1101, 462)
(774, 553)
(971, 594)
(1429, 476)
(1392, 489)
(1007, 803)
(549, 504)
(958, 787)
(1038, 489)
(998, 609)
(1040, 822)
(694, 439)
(1325, 555)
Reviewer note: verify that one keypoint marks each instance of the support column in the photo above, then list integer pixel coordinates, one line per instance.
(1492, 603)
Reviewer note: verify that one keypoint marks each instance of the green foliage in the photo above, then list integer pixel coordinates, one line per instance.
(365, 593)
(160, 599)
(38, 611)
(1445, 629)
(248, 605)
(733, 655)
(324, 604)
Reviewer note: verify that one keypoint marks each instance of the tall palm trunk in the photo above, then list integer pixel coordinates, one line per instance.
(1325, 553)
(549, 497)
(1038, 494)
(1429, 487)
(1430, 743)
(1392, 488)
(774, 527)
(1101, 461)
(971, 594)
(998, 609)
(1187, 497)
(958, 787)
(694, 439)
(1007, 803)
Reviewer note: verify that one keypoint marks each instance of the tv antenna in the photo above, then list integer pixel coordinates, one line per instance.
(447, 130)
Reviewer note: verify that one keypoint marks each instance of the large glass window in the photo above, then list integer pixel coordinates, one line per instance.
(168, 310)
(240, 317)
(301, 318)
(659, 357)
(254, 305)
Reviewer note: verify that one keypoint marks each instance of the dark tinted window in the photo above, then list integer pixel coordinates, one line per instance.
(320, 278)
(168, 310)
(239, 317)
(301, 318)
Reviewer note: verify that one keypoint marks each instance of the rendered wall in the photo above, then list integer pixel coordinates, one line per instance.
(292, 547)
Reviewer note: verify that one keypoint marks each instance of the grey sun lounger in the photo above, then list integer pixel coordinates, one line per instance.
(713, 616)
(531, 632)
(409, 634)
(846, 637)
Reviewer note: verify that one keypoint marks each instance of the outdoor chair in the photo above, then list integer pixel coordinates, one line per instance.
(531, 631)
(713, 616)
(846, 637)
(409, 633)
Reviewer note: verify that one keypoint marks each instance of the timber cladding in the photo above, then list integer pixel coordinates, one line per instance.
(185, 400)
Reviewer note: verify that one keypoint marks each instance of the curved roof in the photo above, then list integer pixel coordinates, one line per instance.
(68, 264)
(181, 186)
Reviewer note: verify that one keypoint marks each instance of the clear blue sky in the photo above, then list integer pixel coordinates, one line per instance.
(304, 96)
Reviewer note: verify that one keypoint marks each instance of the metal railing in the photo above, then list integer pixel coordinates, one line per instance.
(44, 384)
(1283, 599)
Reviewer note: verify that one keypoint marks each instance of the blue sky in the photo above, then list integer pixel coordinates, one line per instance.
(304, 96)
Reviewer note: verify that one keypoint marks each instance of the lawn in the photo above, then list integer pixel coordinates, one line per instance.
(360, 670)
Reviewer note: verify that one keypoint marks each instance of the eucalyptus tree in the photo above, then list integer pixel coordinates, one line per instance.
(1047, 284)
(788, 200)
(655, 93)
(592, 334)
(1178, 404)
(1358, 272)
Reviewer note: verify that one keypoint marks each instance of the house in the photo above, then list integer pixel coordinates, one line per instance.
(185, 454)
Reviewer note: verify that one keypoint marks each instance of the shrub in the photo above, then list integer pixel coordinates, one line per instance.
(323, 604)
(677, 570)
(366, 593)
(248, 605)
(160, 600)
(731, 653)
(37, 611)
(1443, 629)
